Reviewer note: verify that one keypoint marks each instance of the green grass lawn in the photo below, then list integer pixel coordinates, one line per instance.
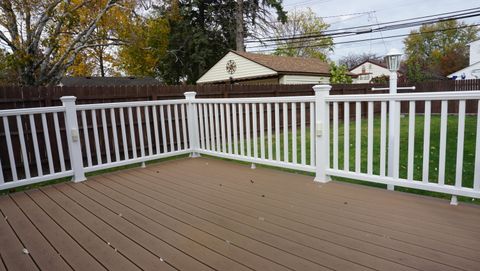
(451, 150)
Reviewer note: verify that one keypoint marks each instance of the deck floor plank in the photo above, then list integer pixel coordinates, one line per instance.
(152, 233)
(97, 247)
(11, 249)
(77, 257)
(38, 247)
(224, 244)
(321, 252)
(411, 256)
(335, 191)
(121, 244)
(2, 264)
(337, 199)
(416, 235)
(212, 214)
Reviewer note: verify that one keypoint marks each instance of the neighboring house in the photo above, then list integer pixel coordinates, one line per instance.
(370, 69)
(249, 68)
(473, 70)
(108, 81)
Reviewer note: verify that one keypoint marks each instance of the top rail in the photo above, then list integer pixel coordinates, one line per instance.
(286, 99)
(28, 111)
(398, 88)
(421, 96)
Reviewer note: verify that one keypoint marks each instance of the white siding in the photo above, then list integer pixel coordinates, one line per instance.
(245, 69)
(471, 72)
(474, 52)
(371, 68)
(303, 79)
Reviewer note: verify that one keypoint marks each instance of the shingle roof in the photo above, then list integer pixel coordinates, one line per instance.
(285, 64)
(109, 81)
(380, 63)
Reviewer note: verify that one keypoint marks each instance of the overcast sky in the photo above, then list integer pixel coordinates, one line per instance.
(376, 11)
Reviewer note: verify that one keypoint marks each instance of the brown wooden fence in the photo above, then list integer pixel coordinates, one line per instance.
(25, 97)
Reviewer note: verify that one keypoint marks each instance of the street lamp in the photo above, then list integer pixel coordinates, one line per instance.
(393, 63)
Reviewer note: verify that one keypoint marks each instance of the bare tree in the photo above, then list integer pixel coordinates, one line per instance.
(45, 36)
(294, 37)
(352, 60)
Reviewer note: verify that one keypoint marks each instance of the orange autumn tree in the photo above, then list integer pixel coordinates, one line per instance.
(101, 59)
(148, 43)
(44, 37)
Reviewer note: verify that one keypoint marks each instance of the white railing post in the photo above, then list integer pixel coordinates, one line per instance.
(192, 120)
(393, 132)
(322, 148)
(73, 138)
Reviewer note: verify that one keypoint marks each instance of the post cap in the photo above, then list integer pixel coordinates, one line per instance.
(66, 99)
(189, 95)
(319, 88)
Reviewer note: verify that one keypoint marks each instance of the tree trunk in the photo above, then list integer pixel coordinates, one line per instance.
(239, 33)
(102, 67)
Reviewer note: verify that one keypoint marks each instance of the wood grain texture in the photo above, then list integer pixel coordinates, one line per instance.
(209, 214)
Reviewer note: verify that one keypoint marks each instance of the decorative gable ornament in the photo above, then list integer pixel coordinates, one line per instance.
(231, 66)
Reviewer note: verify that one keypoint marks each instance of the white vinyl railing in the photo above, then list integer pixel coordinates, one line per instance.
(89, 138)
(259, 130)
(361, 137)
(132, 132)
(416, 174)
(33, 125)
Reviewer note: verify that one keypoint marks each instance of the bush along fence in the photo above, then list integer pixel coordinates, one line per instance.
(312, 133)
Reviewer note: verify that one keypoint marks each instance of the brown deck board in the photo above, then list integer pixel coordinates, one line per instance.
(257, 210)
(336, 200)
(98, 248)
(121, 244)
(11, 249)
(220, 244)
(359, 220)
(124, 221)
(66, 246)
(40, 250)
(188, 245)
(209, 214)
(2, 264)
(326, 253)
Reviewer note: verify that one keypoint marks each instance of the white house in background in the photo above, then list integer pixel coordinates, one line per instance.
(249, 68)
(370, 69)
(473, 70)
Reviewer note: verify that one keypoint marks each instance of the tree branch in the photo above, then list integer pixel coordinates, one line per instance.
(77, 44)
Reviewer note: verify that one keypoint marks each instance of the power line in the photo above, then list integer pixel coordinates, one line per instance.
(371, 39)
(361, 30)
(381, 33)
(459, 14)
(349, 14)
(323, 37)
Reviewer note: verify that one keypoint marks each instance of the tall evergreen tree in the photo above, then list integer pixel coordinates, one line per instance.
(202, 31)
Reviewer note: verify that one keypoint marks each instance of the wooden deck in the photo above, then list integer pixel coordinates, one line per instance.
(204, 214)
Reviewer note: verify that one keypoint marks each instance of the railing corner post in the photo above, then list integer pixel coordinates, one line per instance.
(192, 120)
(322, 120)
(73, 138)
